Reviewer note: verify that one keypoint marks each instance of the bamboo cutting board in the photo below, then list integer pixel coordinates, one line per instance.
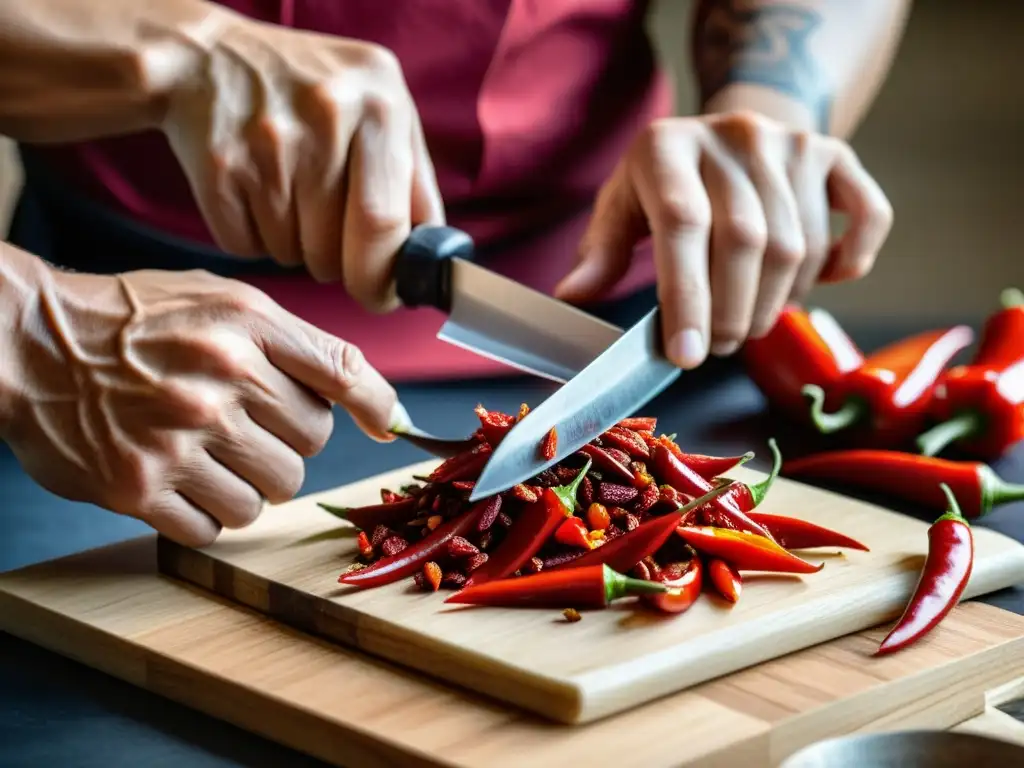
(286, 565)
(110, 609)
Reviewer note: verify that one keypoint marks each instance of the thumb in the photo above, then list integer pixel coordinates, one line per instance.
(606, 249)
(337, 371)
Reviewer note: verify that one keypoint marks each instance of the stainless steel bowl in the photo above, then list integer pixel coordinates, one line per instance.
(908, 749)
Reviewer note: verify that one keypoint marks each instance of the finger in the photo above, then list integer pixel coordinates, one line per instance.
(671, 192)
(298, 417)
(180, 520)
(427, 203)
(785, 247)
(222, 494)
(334, 369)
(378, 204)
(606, 248)
(221, 200)
(854, 192)
(807, 176)
(269, 190)
(738, 237)
(256, 456)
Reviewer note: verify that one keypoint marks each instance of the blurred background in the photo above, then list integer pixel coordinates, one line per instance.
(946, 141)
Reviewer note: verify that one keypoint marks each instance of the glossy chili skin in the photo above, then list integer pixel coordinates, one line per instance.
(744, 551)
(803, 347)
(592, 587)
(794, 533)
(368, 518)
(886, 400)
(910, 477)
(725, 579)
(684, 583)
(980, 406)
(747, 496)
(947, 569)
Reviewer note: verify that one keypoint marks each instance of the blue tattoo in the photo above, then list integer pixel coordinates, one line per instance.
(763, 46)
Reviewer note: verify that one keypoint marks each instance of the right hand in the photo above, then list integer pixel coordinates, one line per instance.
(304, 147)
(179, 398)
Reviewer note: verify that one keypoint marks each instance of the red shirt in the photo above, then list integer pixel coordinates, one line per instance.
(526, 106)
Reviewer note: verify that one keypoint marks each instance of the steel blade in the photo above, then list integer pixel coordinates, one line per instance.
(499, 318)
(622, 379)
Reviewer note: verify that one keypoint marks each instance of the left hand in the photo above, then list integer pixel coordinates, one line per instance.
(738, 209)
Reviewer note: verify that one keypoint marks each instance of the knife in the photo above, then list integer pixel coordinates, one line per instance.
(622, 379)
(492, 315)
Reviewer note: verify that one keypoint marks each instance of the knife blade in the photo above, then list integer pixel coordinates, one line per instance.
(625, 377)
(493, 316)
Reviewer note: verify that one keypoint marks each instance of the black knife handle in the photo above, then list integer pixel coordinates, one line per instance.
(423, 268)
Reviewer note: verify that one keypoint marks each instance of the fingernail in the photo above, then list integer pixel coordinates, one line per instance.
(724, 348)
(400, 420)
(687, 348)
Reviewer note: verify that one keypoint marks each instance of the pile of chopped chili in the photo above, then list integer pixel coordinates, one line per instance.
(632, 507)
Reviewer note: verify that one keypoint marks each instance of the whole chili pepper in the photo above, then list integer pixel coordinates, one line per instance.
(888, 396)
(746, 496)
(802, 348)
(744, 551)
(911, 477)
(412, 559)
(673, 472)
(593, 587)
(708, 467)
(947, 569)
(794, 533)
(463, 466)
(367, 518)
(980, 406)
(605, 462)
(530, 531)
(625, 551)
(726, 579)
(683, 583)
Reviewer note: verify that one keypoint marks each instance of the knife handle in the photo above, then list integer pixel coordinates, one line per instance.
(423, 267)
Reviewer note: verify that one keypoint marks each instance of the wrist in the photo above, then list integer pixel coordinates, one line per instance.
(19, 294)
(797, 114)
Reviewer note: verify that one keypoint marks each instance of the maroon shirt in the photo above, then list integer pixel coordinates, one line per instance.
(526, 107)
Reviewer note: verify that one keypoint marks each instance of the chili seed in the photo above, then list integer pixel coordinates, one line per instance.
(571, 615)
(433, 521)
(504, 520)
(534, 565)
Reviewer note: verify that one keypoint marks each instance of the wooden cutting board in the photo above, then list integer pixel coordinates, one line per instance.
(110, 609)
(287, 564)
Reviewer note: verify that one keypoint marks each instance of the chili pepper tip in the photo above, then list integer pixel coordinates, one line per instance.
(1011, 297)
(341, 512)
(943, 434)
(852, 411)
(748, 456)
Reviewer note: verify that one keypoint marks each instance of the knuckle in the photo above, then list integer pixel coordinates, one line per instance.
(317, 433)
(881, 214)
(245, 513)
(786, 253)
(379, 105)
(675, 214)
(380, 61)
(744, 233)
(345, 361)
(379, 221)
(289, 481)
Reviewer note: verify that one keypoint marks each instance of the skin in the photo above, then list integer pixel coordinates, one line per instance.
(179, 386)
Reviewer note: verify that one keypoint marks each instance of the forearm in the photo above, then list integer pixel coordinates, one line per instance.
(81, 69)
(813, 64)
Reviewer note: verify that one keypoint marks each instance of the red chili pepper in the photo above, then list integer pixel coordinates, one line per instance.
(794, 533)
(683, 584)
(367, 518)
(744, 551)
(530, 531)
(947, 569)
(802, 348)
(888, 397)
(673, 472)
(625, 551)
(593, 587)
(980, 406)
(746, 496)
(464, 466)
(549, 445)
(412, 558)
(628, 441)
(494, 425)
(726, 579)
(639, 423)
(708, 467)
(911, 477)
(605, 462)
(573, 533)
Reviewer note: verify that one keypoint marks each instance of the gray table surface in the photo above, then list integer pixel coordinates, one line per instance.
(56, 712)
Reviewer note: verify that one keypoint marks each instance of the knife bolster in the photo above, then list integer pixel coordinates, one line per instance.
(423, 266)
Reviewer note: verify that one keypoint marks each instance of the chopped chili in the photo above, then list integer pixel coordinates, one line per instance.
(573, 533)
(463, 466)
(911, 477)
(725, 579)
(683, 583)
(887, 398)
(494, 425)
(947, 569)
(980, 406)
(432, 575)
(593, 587)
(549, 446)
(744, 551)
(606, 462)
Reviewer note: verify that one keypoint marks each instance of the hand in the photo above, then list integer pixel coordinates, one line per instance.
(181, 399)
(306, 148)
(738, 209)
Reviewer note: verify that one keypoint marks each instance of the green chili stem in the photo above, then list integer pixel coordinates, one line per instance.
(617, 586)
(953, 507)
(942, 435)
(995, 491)
(759, 490)
(852, 411)
(567, 493)
(1011, 297)
(341, 512)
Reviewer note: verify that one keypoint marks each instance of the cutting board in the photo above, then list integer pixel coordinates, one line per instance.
(286, 565)
(110, 609)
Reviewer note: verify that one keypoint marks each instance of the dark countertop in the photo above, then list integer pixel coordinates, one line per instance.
(56, 712)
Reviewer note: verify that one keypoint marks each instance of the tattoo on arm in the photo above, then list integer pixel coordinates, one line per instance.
(739, 42)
